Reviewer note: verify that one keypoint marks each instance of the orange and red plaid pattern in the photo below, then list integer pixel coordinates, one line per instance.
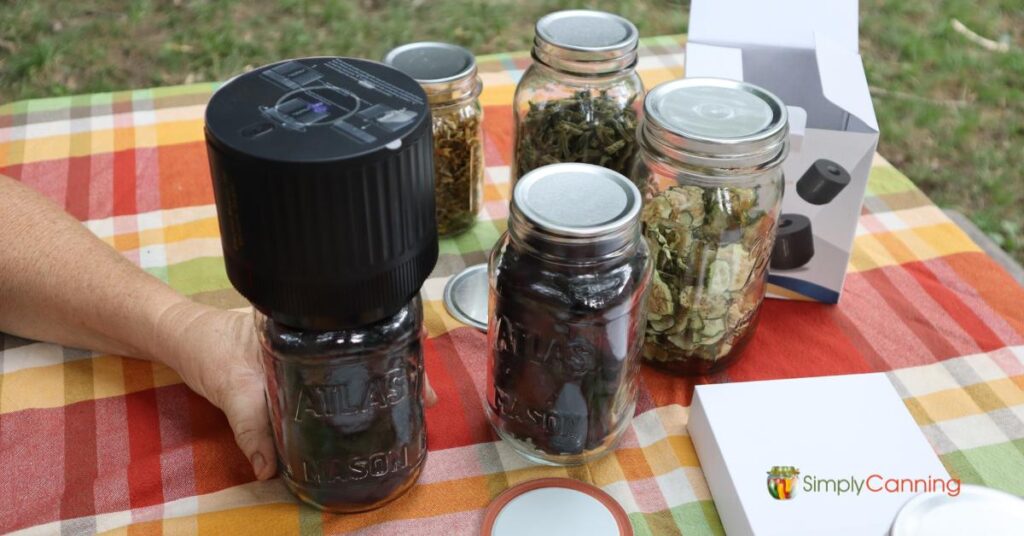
(97, 443)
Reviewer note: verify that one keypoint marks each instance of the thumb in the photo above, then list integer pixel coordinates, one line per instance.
(246, 410)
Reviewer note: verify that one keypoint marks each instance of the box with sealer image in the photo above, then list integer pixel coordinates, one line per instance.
(806, 53)
(831, 429)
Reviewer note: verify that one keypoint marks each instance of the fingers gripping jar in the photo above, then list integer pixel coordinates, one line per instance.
(323, 177)
(578, 101)
(448, 74)
(710, 171)
(567, 288)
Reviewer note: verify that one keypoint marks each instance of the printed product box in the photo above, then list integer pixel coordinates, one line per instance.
(806, 52)
(836, 455)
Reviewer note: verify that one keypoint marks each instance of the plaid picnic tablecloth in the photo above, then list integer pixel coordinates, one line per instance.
(94, 443)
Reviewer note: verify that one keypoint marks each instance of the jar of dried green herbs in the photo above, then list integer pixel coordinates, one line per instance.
(448, 74)
(578, 101)
(710, 169)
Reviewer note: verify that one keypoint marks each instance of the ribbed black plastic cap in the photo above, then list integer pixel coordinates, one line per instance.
(324, 181)
(822, 182)
(794, 242)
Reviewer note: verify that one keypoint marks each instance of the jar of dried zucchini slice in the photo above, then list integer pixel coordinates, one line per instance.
(709, 166)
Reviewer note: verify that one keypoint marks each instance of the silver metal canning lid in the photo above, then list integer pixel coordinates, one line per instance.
(555, 506)
(447, 72)
(465, 296)
(576, 200)
(974, 510)
(716, 122)
(585, 42)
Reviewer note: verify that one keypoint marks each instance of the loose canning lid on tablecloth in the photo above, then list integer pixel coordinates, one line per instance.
(555, 507)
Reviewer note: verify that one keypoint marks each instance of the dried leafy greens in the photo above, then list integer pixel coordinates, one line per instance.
(592, 129)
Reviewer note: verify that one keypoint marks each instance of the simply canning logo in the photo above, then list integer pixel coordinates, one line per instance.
(783, 482)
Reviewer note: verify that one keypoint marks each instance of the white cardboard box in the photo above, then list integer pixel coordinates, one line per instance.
(830, 428)
(804, 51)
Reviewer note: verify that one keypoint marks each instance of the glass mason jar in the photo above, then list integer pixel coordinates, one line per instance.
(578, 101)
(568, 281)
(448, 75)
(346, 408)
(710, 170)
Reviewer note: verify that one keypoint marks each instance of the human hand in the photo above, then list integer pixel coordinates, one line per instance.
(218, 356)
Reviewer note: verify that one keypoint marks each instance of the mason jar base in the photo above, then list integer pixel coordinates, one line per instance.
(457, 226)
(528, 451)
(695, 366)
(319, 496)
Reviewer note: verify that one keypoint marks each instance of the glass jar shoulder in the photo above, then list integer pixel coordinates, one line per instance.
(465, 111)
(574, 288)
(654, 173)
(541, 84)
(393, 333)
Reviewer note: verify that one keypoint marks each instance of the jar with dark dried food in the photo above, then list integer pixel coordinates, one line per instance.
(323, 177)
(567, 288)
(710, 169)
(579, 99)
(347, 408)
(448, 74)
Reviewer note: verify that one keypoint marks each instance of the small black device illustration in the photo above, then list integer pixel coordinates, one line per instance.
(794, 243)
(822, 182)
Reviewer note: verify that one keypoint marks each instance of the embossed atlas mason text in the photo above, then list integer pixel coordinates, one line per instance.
(378, 465)
(575, 356)
(352, 397)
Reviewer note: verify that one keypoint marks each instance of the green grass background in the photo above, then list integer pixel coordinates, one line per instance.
(951, 112)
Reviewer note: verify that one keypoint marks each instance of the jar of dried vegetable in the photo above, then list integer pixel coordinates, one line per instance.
(346, 407)
(323, 178)
(710, 168)
(448, 74)
(567, 288)
(578, 101)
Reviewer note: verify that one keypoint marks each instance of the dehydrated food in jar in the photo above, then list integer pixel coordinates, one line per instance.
(562, 369)
(347, 409)
(709, 261)
(568, 285)
(592, 129)
(458, 164)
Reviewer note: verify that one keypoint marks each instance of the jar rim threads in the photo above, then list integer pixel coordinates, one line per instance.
(585, 42)
(447, 72)
(716, 123)
(579, 209)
